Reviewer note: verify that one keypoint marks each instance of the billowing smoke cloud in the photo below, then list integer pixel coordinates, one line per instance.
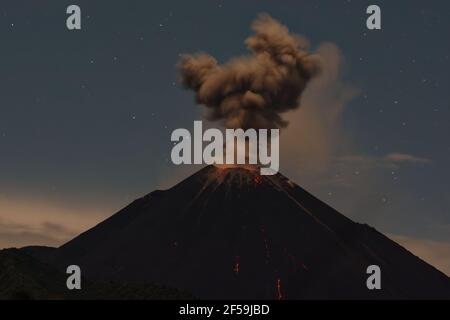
(252, 91)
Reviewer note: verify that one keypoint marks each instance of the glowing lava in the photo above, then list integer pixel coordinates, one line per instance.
(295, 262)
(236, 266)
(279, 290)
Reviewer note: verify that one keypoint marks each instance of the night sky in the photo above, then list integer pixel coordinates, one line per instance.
(86, 116)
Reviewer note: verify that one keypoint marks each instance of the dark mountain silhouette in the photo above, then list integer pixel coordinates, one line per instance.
(231, 233)
(23, 277)
(42, 253)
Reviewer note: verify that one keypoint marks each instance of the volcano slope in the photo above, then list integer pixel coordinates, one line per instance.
(231, 233)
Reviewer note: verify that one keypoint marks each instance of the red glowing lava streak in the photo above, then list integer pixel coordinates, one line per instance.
(279, 291)
(236, 266)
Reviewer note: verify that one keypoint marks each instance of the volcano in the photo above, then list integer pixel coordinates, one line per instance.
(230, 233)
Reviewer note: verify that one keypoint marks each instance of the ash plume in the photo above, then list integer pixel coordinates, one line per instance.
(252, 91)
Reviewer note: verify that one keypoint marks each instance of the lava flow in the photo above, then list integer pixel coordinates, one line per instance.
(279, 291)
(236, 266)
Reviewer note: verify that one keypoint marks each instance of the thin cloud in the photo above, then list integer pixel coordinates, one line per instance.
(391, 159)
(13, 234)
(37, 222)
(404, 157)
